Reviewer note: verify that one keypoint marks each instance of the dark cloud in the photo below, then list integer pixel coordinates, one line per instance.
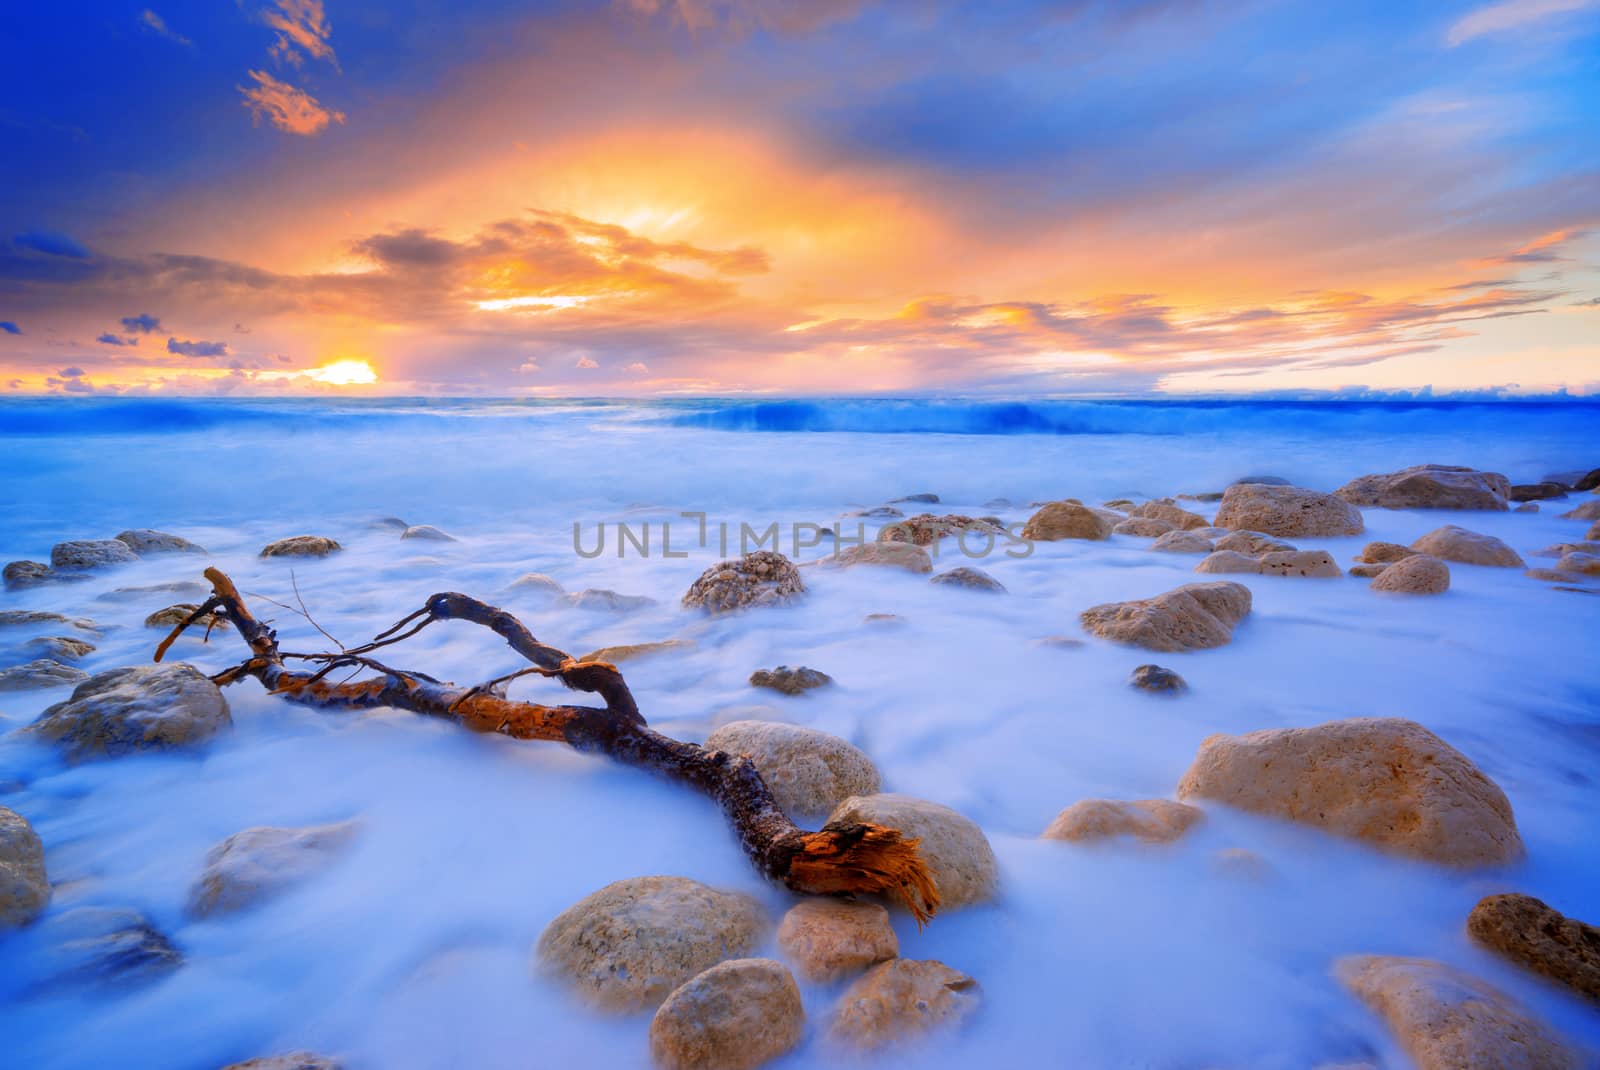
(9, 327)
(143, 323)
(109, 339)
(197, 349)
(52, 244)
(71, 373)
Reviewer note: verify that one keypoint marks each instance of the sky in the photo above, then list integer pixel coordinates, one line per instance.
(781, 197)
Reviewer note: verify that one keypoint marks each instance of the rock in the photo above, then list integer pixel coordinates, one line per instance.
(790, 681)
(143, 541)
(24, 888)
(1156, 678)
(1225, 562)
(387, 523)
(904, 555)
(831, 939)
(881, 512)
(959, 857)
(294, 1060)
(1586, 511)
(173, 616)
(1527, 507)
(1418, 574)
(38, 674)
(1445, 1019)
(1366, 572)
(1561, 549)
(1066, 520)
(1150, 820)
(537, 583)
(927, 529)
(973, 579)
(1289, 512)
(1578, 562)
(1536, 492)
(427, 533)
(809, 772)
(1540, 938)
(598, 599)
(630, 651)
(884, 620)
(1385, 780)
(1203, 496)
(902, 1001)
(61, 647)
(627, 946)
(93, 945)
(1182, 542)
(1430, 486)
(923, 498)
(1196, 616)
(176, 588)
(1242, 862)
(997, 503)
(1451, 543)
(1170, 511)
(762, 578)
(1269, 481)
(1552, 575)
(262, 862)
(1383, 553)
(141, 707)
(21, 575)
(301, 546)
(1146, 527)
(16, 618)
(1116, 503)
(1588, 482)
(1314, 563)
(1059, 642)
(735, 1016)
(1251, 542)
(90, 553)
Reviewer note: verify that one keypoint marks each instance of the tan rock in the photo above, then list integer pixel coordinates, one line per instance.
(1593, 532)
(427, 533)
(1229, 562)
(1170, 511)
(972, 579)
(1314, 563)
(24, 888)
(1383, 553)
(141, 707)
(1417, 574)
(172, 616)
(1562, 548)
(1196, 616)
(735, 1016)
(1445, 1019)
(537, 583)
(625, 947)
(1066, 520)
(1146, 527)
(145, 541)
(1252, 543)
(1581, 563)
(1540, 938)
(1430, 486)
(605, 600)
(1149, 820)
(808, 772)
(1527, 507)
(301, 546)
(1451, 543)
(761, 578)
(1182, 542)
(631, 651)
(926, 529)
(831, 939)
(262, 862)
(1589, 510)
(1366, 572)
(957, 853)
(790, 681)
(294, 1060)
(904, 555)
(900, 1002)
(1289, 512)
(39, 674)
(1385, 780)
(1552, 575)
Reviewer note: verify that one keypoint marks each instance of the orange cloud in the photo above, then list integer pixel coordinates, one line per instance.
(302, 26)
(289, 109)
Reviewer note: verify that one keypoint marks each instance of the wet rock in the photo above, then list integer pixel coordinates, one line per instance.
(1182, 542)
(1383, 553)
(1418, 574)
(1170, 511)
(1445, 1019)
(808, 772)
(21, 575)
(24, 888)
(17, 618)
(263, 862)
(1066, 520)
(1145, 527)
(1385, 780)
(630, 651)
(927, 529)
(294, 1060)
(1196, 616)
(1203, 496)
(737, 1015)
(537, 583)
(900, 1002)
(957, 853)
(1540, 938)
(301, 546)
(39, 674)
(1116, 503)
(1589, 481)
(1226, 562)
(145, 541)
(923, 498)
(174, 589)
(828, 939)
(1156, 678)
(790, 681)
(1587, 511)
(1429, 486)
(1313, 563)
(61, 647)
(155, 707)
(169, 618)
(1288, 512)
(1581, 563)
(1268, 481)
(973, 579)
(904, 555)
(762, 578)
(96, 946)
(388, 523)
(1366, 572)
(1253, 543)
(880, 512)
(90, 553)
(1536, 492)
(627, 946)
(427, 533)
(598, 599)
(1527, 507)
(1451, 543)
(1149, 820)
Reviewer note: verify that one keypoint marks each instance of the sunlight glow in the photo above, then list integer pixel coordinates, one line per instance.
(532, 304)
(344, 373)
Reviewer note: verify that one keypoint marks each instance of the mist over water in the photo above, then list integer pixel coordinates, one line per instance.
(414, 950)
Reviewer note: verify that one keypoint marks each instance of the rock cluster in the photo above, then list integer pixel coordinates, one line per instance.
(146, 541)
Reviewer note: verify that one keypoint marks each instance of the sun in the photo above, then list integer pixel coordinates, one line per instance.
(344, 373)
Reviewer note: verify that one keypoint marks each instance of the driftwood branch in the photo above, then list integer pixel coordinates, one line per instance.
(838, 858)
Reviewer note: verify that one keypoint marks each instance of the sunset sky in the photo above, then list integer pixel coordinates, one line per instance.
(752, 196)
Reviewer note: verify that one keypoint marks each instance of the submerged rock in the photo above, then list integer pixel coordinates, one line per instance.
(301, 546)
(1536, 492)
(762, 578)
(1417, 574)
(90, 553)
(93, 945)
(175, 588)
(1451, 543)
(1066, 520)
(39, 674)
(790, 681)
(24, 888)
(973, 579)
(904, 555)
(1146, 527)
(537, 583)
(21, 575)
(597, 599)
(902, 1001)
(427, 533)
(1169, 511)
(1196, 616)
(141, 707)
(1430, 486)
(1156, 678)
(922, 498)
(1385, 780)
(808, 772)
(143, 541)
(16, 618)
(1578, 562)
(830, 939)
(957, 853)
(263, 862)
(1182, 542)
(1253, 543)
(173, 616)
(627, 946)
(1150, 820)
(735, 1016)
(294, 1060)
(1314, 563)
(1449, 1020)
(1366, 572)
(926, 529)
(1289, 512)
(61, 647)
(1587, 511)
(1540, 938)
